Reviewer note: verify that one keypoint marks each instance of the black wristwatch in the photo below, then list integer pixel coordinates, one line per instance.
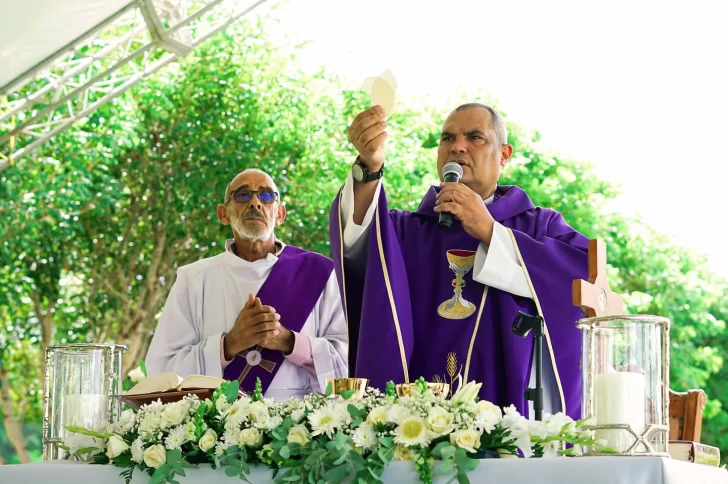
(361, 173)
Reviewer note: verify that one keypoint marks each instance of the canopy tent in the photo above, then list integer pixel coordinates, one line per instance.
(61, 60)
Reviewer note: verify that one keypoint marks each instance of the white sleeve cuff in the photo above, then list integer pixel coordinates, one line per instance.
(210, 356)
(352, 231)
(497, 265)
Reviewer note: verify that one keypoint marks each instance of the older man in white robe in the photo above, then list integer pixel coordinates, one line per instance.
(261, 309)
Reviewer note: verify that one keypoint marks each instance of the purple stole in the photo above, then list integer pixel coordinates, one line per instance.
(293, 287)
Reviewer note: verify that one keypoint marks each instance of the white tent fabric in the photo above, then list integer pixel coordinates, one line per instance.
(72, 56)
(33, 31)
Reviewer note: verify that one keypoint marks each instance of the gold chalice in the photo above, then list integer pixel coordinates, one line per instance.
(408, 389)
(461, 261)
(338, 385)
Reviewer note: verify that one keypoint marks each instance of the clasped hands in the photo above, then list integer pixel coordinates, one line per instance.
(468, 207)
(258, 324)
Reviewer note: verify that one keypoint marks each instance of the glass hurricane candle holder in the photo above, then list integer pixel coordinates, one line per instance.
(83, 386)
(625, 372)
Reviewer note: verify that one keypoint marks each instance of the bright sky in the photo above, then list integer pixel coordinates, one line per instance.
(639, 88)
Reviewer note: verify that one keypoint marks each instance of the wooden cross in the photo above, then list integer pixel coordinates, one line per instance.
(254, 358)
(594, 297)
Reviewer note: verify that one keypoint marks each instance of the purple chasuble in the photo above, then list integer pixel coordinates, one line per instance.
(417, 311)
(293, 287)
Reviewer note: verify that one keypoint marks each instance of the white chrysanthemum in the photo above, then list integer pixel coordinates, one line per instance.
(230, 437)
(273, 422)
(125, 423)
(326, 420)
(397, 413)
(177, 436)
(150, 424)
(137, 451)
(220, 448)
(364, 436)
(378, 415)
(237, 414)
(488, 415)
(413, 431)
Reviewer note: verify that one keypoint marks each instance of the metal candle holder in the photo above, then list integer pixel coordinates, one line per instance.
(83, 385)
(626, 377)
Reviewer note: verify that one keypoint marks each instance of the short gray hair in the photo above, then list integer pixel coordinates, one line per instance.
(496, 120)
(226, 199)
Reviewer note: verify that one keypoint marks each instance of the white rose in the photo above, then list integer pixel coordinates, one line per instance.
(403, 453)
(486, 406)
(155, 456)
(208, 440)
(174, 414)
(115, 446)
(251, 437)
(377, 415)
(298, 435)
(137, 451)
(126, 422)
(136, 375)
(440, 420)
(468, 440)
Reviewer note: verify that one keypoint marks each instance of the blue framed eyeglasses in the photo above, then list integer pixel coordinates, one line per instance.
(266, 196)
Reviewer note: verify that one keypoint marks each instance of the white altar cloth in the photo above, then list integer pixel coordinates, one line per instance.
(591, 470)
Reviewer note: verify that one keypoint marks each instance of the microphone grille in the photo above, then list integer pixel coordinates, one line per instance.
(452, 167)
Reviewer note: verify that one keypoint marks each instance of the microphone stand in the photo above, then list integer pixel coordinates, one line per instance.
(522, 325)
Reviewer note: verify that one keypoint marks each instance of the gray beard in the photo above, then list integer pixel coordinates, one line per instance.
(251, 234)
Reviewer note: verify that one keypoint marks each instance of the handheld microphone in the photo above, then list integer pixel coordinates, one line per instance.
(451, 172)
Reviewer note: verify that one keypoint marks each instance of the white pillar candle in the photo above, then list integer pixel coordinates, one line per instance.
(83, 410)
(619, 398)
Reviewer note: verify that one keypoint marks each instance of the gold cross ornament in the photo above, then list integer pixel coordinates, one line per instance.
(594, 297)
(254, 358)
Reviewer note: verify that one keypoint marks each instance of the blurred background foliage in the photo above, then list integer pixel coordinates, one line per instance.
(94, 225)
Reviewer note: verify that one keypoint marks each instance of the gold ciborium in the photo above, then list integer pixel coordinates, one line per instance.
(409, 389)
(338, 385)
(461, 261)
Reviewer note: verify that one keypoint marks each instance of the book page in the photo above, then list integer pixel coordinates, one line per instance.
(163, 382)
(200, 381)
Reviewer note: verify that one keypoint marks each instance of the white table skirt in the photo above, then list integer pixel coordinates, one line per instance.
(591, 470)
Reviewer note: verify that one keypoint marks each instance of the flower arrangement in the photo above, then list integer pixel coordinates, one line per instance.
(324, 436)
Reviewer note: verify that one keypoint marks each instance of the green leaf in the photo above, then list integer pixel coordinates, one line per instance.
(90, 433)
(439, 448)
(174, 456)
(285, 452)
(336, 474)
(329, 389)
(232, 471)
(230, 389)
(347, 394)
(143, 367)
(386, 441)
(463, 478)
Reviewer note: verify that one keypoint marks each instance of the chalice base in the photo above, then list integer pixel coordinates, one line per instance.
(455, 311)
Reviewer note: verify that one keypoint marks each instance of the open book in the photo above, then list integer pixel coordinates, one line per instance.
(171, 382)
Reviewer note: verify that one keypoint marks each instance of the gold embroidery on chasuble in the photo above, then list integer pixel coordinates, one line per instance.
(253, 358)
(457, 307)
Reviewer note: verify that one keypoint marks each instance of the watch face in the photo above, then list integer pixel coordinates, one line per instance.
(357, 172)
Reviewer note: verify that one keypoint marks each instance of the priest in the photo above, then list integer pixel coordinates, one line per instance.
(259, 309)
(425, 300)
